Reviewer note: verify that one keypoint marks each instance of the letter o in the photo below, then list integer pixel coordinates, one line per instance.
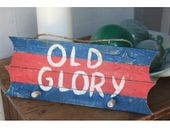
(86, 83)
(63, 59)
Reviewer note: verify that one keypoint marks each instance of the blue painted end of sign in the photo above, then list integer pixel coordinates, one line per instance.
(112, 54)
(123, 103)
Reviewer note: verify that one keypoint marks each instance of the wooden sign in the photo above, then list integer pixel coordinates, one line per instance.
(115, 78)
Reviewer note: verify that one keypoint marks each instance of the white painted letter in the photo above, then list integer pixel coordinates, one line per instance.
(117, 88)
(99, 58)
(63, 59)
(73, 63)
(86, 83)
(40, 74)
(98, 85)
(60, 82)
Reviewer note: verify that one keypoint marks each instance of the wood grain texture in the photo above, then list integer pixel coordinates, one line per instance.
(158, 100)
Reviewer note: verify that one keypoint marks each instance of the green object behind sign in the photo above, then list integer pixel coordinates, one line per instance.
(113, 32)
(138, 30)
(154, 45)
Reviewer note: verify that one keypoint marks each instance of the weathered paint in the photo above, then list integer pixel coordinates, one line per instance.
(29, 76)
(108, 68)
(81, 74)
(112, 54)
(123, 103)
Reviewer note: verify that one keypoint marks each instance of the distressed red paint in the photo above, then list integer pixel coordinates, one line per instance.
(131, 72)
(25, 68)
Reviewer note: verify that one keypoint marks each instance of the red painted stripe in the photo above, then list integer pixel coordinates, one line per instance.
(132, 88)
(131, 72)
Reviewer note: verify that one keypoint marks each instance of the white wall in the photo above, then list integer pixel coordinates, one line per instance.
(15, 22)
(165, 26)
(87, 20)
(54, 20)
(82, 22)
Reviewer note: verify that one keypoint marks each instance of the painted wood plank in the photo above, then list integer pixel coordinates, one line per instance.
(35, 61)
(30, 76)
(123, 103)
(109, 53)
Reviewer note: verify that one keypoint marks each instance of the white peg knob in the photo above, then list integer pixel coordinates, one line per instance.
(35, 94)
(111, 103)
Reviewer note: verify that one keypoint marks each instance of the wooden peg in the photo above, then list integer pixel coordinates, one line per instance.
(111, 103)
(35, 94)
